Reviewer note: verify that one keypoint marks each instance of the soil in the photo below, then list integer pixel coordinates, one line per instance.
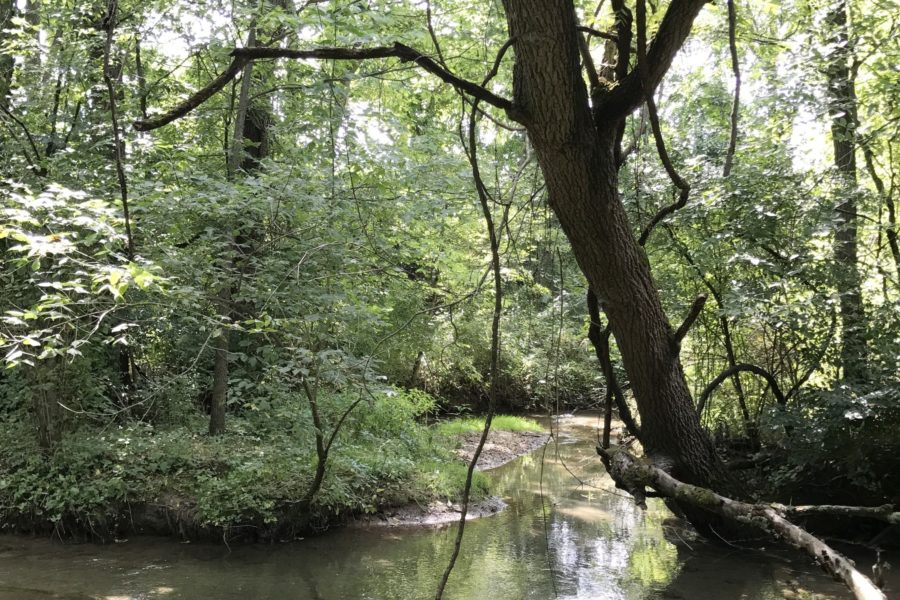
(500, 448)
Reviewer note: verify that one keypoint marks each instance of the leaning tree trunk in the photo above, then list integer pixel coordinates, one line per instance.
(577, 154)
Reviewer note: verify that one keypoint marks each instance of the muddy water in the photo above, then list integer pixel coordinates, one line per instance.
(567, 534)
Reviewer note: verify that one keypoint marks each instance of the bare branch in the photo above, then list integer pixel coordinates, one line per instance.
(406, 54)
(681, 184)
(696, 309)
(597, 33)
(884, 512)
(738, 368)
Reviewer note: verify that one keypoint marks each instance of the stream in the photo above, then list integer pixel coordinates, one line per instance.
(588, 541)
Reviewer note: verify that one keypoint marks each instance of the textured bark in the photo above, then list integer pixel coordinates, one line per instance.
(842, 108)
(579, 166)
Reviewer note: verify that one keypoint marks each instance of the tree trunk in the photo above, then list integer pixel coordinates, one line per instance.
(220, 369)
(577, 154)
(842, 92)
(7, 12)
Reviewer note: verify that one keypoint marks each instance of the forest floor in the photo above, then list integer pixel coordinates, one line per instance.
(500, 448)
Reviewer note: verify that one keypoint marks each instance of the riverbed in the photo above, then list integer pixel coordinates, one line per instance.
(567, 533)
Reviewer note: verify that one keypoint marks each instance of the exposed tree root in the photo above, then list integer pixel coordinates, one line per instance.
(633, 475)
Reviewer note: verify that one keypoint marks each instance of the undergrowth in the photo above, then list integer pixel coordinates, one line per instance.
(100, 477)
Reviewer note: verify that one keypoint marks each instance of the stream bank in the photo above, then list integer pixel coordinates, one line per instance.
(111, 484)
(500, 448)
(560, 537)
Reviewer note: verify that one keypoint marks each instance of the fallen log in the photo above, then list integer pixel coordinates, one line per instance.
(634, 475)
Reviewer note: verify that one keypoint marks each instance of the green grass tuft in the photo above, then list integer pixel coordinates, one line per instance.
(476, 425)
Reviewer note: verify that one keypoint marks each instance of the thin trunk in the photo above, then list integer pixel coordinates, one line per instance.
(842, 108)
(141, 77)
(890, 229)
(7, 12)
(494, 240)
(321, 448)
(599, 338)
(220, 368)
(110, 74)
(226, 308)
(580, 168)
(736, 103)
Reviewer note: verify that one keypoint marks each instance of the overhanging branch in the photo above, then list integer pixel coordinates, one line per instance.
(240, 56)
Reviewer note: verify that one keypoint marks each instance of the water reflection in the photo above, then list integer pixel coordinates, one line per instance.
(560, 538)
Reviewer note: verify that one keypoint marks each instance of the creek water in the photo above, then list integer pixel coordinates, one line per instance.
(567, 534)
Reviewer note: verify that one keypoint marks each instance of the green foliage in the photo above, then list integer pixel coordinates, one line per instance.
(357, 244)
(63, 271)
(248, 476)
(843, 437)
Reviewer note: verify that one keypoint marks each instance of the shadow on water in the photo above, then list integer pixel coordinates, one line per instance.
(559, 538)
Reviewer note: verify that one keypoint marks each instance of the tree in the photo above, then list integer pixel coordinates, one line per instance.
(577, 146)
(844, 122)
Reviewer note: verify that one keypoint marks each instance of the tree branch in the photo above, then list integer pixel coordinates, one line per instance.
(696, 309)
(180, 110)
(884, 512)
(406, 54)
(738, 368)
(672, 33)
(683, 186)
(597, 33)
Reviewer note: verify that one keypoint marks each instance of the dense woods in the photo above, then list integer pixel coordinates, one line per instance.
(251, 251)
